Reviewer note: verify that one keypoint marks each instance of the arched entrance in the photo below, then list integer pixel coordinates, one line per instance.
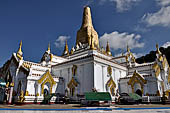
(137, 82)
(46, 82)
(47, 88)
(139, 92)
(46, 92)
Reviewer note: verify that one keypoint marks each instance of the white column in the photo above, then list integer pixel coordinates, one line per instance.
(103, 78)
(10, 95)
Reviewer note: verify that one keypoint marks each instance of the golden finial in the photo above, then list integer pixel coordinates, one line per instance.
(49, 47)
(19, 53)
(128, 49)
(157, 46)
(20, 47)
(66, 51)
(108, 49)
(157, 51)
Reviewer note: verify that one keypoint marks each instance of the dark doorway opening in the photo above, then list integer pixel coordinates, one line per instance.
(46, 92)
(139, 92)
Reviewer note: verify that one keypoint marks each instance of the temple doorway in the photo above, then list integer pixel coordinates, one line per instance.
(46, 92)
(139, 92)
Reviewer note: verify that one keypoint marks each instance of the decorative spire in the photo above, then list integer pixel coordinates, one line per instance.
(108, 49)
(87, 32)
(72, 50)
(128, 49)
(20, 53)
(66, 51)
(129, 56)
(158, 51)
(49, 48)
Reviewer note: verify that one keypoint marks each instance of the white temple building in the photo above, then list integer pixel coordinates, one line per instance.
(85, 68)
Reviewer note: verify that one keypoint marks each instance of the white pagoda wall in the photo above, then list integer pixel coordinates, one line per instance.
(84, 75)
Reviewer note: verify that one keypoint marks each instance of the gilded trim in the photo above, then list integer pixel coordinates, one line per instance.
(110, 83)
(74, 70)
(26, 93)
(72, 83)
(47, 77)
(169, 75)
(109, 70)
(157, 69)
(136, 78)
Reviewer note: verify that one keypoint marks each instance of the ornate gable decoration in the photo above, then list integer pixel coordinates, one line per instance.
(47, 75)
(136, 78)
(74, 70)
(110, 83)
(72, 83)
(26, 65)
(164, 62)
(157, 69)
(109, 70)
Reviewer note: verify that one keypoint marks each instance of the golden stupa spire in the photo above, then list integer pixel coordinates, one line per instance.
(66, 51)
(19, 53)
(87, 20)
(87, 31)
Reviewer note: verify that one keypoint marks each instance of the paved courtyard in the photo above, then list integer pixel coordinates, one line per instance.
(75, 108)
(113, 111)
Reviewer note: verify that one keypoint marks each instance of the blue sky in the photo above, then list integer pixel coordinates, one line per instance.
(139, 23)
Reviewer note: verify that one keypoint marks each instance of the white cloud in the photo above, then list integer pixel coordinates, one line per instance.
(166, 45)
(122, 5)
(162, 17)
(137, 55)
(163, 2)
(120, 40)
(141, 29)
(60, 41)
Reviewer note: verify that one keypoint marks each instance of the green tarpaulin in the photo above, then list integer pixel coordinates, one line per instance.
(135, 96)
(97, 96)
